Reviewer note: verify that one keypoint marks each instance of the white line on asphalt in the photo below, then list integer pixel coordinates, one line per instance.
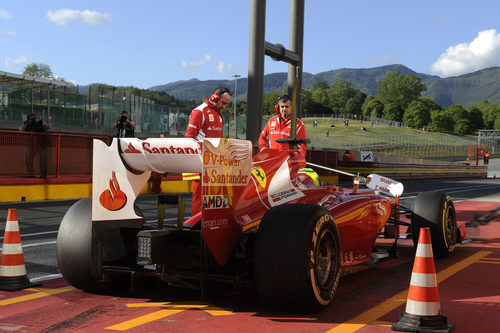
(55, 231)
(46, 277)
(38, 233)
(37, 244)
(447, 190)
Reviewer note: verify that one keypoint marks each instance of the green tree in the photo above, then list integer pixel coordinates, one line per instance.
(400, 90)
(417, 115)
(494, 117)
(320, 96)
(270, 100)
(442, 121)
(485, 107)
(38, 70)
(353, 106)
(393, 111)
(374, 108)
(340, 92)
(460, 118)
(320, 85)
(431, 105)
(475, 119)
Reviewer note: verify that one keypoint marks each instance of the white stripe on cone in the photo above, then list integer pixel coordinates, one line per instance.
(12, 226)
(12, 271)
(424, 250)
(423, 308)
(12, 249)
(423, 280)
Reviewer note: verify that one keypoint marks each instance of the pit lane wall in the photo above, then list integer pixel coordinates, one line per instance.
(67, 161)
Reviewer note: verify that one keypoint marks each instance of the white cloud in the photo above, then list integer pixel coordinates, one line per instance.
(482, 52)
(4, 14)
(10, 33)
(223, 68)
(63, 16)
(193, 65)
(15, 62)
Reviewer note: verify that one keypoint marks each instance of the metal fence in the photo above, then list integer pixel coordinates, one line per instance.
(387, 138)
(70, 110)
(46, 155)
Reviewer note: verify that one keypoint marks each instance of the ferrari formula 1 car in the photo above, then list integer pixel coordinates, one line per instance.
(264, 224)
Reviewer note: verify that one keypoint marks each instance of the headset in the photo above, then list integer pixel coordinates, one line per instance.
(281, 98)
(218, 92)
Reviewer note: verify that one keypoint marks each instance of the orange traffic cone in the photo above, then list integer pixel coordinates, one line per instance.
(423, 309)
(12, 270)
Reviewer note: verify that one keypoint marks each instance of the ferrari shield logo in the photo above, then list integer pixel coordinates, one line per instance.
(260, 175)
(211, 117)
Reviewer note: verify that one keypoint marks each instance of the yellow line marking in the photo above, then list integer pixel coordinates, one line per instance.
(488, 262)
(371, 316)
(143, 320)
(146, 305)
(175, 308)
(42, 292)
(493, 259)
(382, 323)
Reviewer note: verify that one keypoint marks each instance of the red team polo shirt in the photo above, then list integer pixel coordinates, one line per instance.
(277, 128)
(205, 122)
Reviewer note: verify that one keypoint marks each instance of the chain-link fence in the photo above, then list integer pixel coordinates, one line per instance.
(387, 138)
(65, 109)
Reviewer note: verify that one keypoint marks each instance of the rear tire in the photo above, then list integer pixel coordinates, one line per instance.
(436, 211)
(297, 257)
(79, 254)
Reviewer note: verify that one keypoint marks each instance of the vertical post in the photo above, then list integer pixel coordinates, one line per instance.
(256, 69)
(58, 155)
(236, 76)
(296, 40)
(48, 104)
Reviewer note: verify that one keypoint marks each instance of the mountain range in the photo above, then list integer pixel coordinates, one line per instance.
(464, 89)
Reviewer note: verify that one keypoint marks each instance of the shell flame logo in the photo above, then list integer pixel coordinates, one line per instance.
(113, 198)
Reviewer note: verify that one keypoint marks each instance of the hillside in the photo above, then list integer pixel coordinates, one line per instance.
(464, 89)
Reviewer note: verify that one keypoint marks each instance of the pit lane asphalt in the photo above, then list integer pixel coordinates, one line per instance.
(39, 221)
(366, 302)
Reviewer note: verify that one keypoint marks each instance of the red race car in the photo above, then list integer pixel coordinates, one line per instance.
(265, 223)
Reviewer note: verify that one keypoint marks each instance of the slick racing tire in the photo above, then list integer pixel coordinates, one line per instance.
(436, 211)
(77, 257)
(297, 257)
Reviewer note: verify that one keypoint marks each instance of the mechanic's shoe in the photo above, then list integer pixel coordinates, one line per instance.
(12, 269)
(423, 309)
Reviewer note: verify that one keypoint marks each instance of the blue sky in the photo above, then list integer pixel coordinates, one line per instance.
(147, 43)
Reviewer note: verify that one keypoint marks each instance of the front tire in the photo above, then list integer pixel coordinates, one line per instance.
(297, 257)
(436, 211)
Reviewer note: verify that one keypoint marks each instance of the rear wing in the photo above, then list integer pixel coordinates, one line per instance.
(122, 169)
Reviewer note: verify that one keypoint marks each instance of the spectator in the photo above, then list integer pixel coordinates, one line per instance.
(37, 144)
(124, 125)
(348, 155)
(206, 121)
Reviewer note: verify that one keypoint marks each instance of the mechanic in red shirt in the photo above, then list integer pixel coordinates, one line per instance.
(205, 121)
(278, 127)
